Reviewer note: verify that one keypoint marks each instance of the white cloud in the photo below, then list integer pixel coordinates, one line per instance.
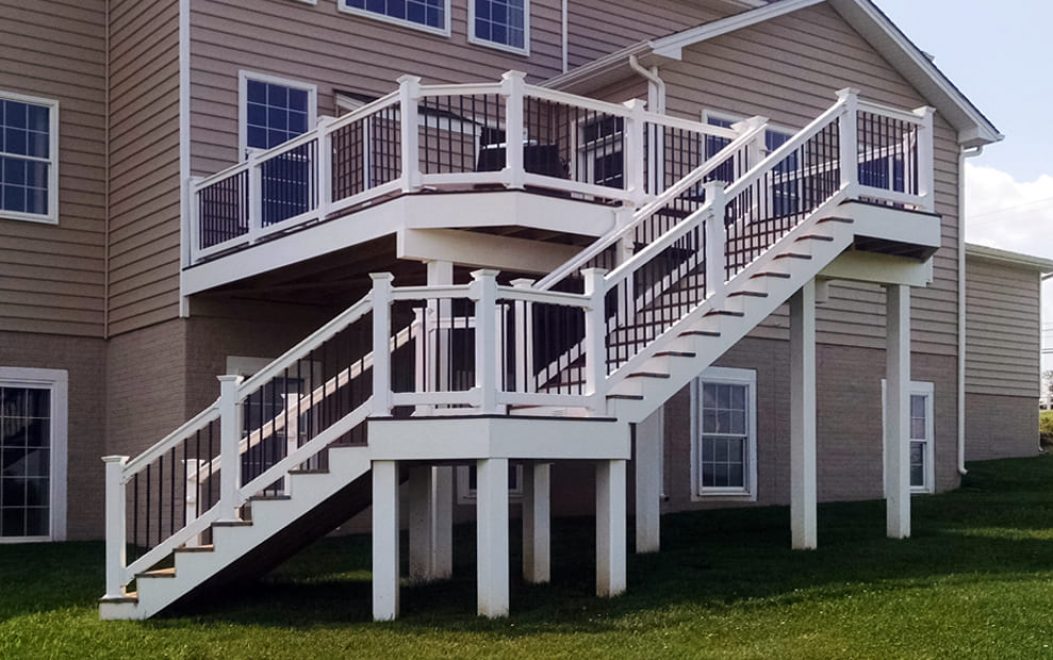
(1013, 215)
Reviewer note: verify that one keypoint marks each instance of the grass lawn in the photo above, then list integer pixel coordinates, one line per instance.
(976, 580)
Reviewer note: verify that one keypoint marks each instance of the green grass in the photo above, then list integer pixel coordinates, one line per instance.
(1045, 427)
(976, 580)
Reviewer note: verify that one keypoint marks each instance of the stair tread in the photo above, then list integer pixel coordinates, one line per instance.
(815, 237)
(751, 294)
(197, 548)
(626, 397)
(793, 255)
(269, 498)
(130, 597)
(784, 276)
(699, 333)
(684, 354)
(648, 374)
(232, 523)
(158, 573)
(725, 312)
(847, 221)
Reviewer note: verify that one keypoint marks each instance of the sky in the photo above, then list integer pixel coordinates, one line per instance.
(997, 53)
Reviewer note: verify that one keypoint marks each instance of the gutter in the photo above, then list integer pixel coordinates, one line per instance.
(655, 100)
(965, 153)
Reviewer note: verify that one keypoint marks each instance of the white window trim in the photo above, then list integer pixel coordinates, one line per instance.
(479, 41)
(244, 76)
(465, 494)
(52, 216)
(928, 390)
(402, 22)
(724, 375)
(57, 382)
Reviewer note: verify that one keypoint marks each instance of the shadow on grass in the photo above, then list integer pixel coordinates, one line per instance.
(999, 525)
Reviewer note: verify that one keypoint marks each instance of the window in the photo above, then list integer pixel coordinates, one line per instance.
(430, 15)
(28, 158)
(466, 476)
(602, 142)
(32, 454)
(922, 445)
(724, 446)
(501, 23)
(273, 110)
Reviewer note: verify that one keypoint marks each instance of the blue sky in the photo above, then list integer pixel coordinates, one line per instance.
(999, 54)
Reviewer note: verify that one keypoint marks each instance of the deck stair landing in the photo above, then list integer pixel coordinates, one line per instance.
(283, 457)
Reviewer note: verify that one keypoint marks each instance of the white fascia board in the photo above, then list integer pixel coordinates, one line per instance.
(1018, 259)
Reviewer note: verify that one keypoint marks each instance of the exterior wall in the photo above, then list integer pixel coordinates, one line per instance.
(52, 277)
(1003, 343)
(81, 357)
(1000, 427)
(788, 69)
(144, 155)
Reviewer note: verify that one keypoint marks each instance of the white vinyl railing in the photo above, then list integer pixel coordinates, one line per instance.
(486, 347)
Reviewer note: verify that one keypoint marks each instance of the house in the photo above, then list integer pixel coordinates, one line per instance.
(612, 259)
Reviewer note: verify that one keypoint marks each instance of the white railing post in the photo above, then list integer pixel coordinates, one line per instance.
(716, 235)
(755, 150)
(324, 169)
(191, 489)
(255, 197)
(229, 440)
(381, 336)
(116, 523)
(484, 293)
(849, 140)
(409, 100)
(421, 372)
(524, 346)
(513, 85)
(925, 165)
(596, 339)
(292, 429)
(193, 218)
(634, 152)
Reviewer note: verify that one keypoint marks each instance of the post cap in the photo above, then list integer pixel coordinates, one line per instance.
(114, 459)
(230, 378)
(512, 73)
(408, 79)
(593, 272)
(847, 92)
(380, 277)
(523, 282)
(484, 272)
(635, 104)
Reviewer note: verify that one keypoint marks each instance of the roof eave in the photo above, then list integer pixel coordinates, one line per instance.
(1018, 259)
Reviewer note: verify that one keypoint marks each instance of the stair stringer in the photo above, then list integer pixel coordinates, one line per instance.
(233, 542)
(702, 336)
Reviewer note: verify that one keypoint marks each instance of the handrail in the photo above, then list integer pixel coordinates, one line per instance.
(680, 187)
(198, 421)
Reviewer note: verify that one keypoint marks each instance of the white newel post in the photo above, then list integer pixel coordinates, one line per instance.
(229, 438)
(381, 296)
(803, 513)
(596, 339)
(323, 171)
(116, 523)
(925, 166)
(484, 292)
(255, 197)
(524, 346)
(514, 89)
(897, 411)
(634, 152)
(194, 218)
(716, 235)
(537, 516)
(409, 99)
(849, 140)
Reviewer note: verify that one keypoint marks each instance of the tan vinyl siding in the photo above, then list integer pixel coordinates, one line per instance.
(789, 69)
(52, 278)
(144, 155)
(1002, 329)
(335, 51)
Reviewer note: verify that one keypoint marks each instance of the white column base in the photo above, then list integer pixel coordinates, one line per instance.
(492, 536)
(385, 541)
(650, 443)
(803, 512)
(610, 528)
(536, 524)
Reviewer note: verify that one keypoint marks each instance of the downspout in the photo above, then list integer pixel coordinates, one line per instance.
(963, 154)
(655, 87)
(565, 27)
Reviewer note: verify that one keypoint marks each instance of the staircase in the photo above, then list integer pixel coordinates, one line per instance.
(236, 490)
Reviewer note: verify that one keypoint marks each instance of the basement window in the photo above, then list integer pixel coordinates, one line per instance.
(724, 433)
(466, 480)
(922, 435)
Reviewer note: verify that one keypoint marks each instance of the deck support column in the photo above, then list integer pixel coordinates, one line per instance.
(649, 445)
(536, 523)
(430, 523)
(897, 414)
(803, 513)
(491, 500)
(610, 528)
(385, 541)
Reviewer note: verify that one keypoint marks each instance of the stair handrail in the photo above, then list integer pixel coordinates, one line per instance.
(751, 130)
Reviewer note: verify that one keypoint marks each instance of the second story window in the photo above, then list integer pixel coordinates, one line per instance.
(274, 111)
(501, 23)
(431, 15)
(28, 158)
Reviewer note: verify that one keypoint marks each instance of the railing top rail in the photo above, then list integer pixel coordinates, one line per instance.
(784, 151)
(198, 421)
(316, 339)
(655, 247)
(670, 194)
(389, 99)
(543, 296)
(461, 89)
(431, 292)
(908, 116)
(689, 125)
